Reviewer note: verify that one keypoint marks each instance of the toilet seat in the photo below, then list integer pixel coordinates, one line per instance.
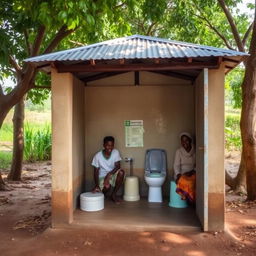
(155, 173)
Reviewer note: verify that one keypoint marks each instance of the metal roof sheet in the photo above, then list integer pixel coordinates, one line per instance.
(135, 47)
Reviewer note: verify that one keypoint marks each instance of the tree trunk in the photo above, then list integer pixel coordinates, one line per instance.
(2, 184)
(3, 111)
(238, 183)
(240, 180)
(247, 123)
(18, 141)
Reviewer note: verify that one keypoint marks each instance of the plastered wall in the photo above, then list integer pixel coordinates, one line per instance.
(62, 102)
(68, 145)
(216, 196)
(165, 105)
(78, 174)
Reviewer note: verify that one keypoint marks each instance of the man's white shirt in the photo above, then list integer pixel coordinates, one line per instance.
(106, 165)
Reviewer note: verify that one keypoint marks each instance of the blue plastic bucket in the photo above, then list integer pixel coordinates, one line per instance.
(175, 199)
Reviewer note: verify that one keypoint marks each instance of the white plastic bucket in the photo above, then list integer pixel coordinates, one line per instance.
(91, 202)
(131, 189)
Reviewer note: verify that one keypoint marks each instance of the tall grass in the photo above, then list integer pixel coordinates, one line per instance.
(232, 132)
(37, 143)
(6, 132)
(5, 159)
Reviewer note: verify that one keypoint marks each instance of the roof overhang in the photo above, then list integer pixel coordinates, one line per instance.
(138, 53)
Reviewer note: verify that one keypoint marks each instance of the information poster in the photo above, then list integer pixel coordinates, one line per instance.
(134, 133)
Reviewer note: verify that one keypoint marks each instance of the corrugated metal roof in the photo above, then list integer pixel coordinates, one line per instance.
(135, 47)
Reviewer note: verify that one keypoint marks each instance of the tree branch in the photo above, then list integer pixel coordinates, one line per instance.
(247, 33)
(208, 24)
(38, 40)
(29, 47)
(1, 91)
(12, 70)
(252, 49)
(15, 65)
(62, 33)
(150, 28)
(232, 25)
(221, 36)
(76, 43)
(22, 87)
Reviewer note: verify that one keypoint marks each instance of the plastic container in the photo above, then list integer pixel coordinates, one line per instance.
(175, 199)
(91, 202)
(131, 189)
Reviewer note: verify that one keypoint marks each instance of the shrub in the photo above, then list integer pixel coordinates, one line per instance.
(37, 143)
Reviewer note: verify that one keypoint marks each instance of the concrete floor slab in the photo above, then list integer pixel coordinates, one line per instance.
(138, 216)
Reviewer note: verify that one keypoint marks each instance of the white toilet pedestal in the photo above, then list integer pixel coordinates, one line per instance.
(155, 195)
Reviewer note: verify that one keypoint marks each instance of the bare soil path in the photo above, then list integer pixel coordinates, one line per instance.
(25, 228)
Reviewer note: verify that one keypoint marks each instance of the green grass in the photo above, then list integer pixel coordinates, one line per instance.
(5, 159)
(6, 132)
(232, 132)
(37, 143)
(34, 118)
(37, 134)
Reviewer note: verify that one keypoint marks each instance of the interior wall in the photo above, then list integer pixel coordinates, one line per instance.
(165, 110)
(78, 147)
(145, 78)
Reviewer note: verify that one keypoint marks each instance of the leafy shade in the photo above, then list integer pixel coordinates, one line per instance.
(29, 28)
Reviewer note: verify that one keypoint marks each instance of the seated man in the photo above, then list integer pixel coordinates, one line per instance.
(107, 170)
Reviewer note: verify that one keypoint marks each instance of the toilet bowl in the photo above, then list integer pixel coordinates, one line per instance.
(155, 173)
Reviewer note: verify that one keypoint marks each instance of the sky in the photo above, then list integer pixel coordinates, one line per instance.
(243, 6)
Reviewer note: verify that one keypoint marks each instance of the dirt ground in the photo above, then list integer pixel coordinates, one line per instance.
(25, 226)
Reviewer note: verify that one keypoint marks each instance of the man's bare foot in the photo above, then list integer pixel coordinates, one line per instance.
(115, 199)
(96, 189)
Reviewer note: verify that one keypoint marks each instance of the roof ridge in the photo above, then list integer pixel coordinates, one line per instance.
(165, 40)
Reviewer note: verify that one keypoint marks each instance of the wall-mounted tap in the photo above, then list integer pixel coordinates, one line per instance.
(129, 160)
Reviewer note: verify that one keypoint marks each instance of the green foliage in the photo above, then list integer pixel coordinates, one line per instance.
(43, 106)
(6, 132)
(38, 95)
(233, 84)
(5, 159)
(195, 20)
(37, 143)
(21, 22)
(232, 132)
